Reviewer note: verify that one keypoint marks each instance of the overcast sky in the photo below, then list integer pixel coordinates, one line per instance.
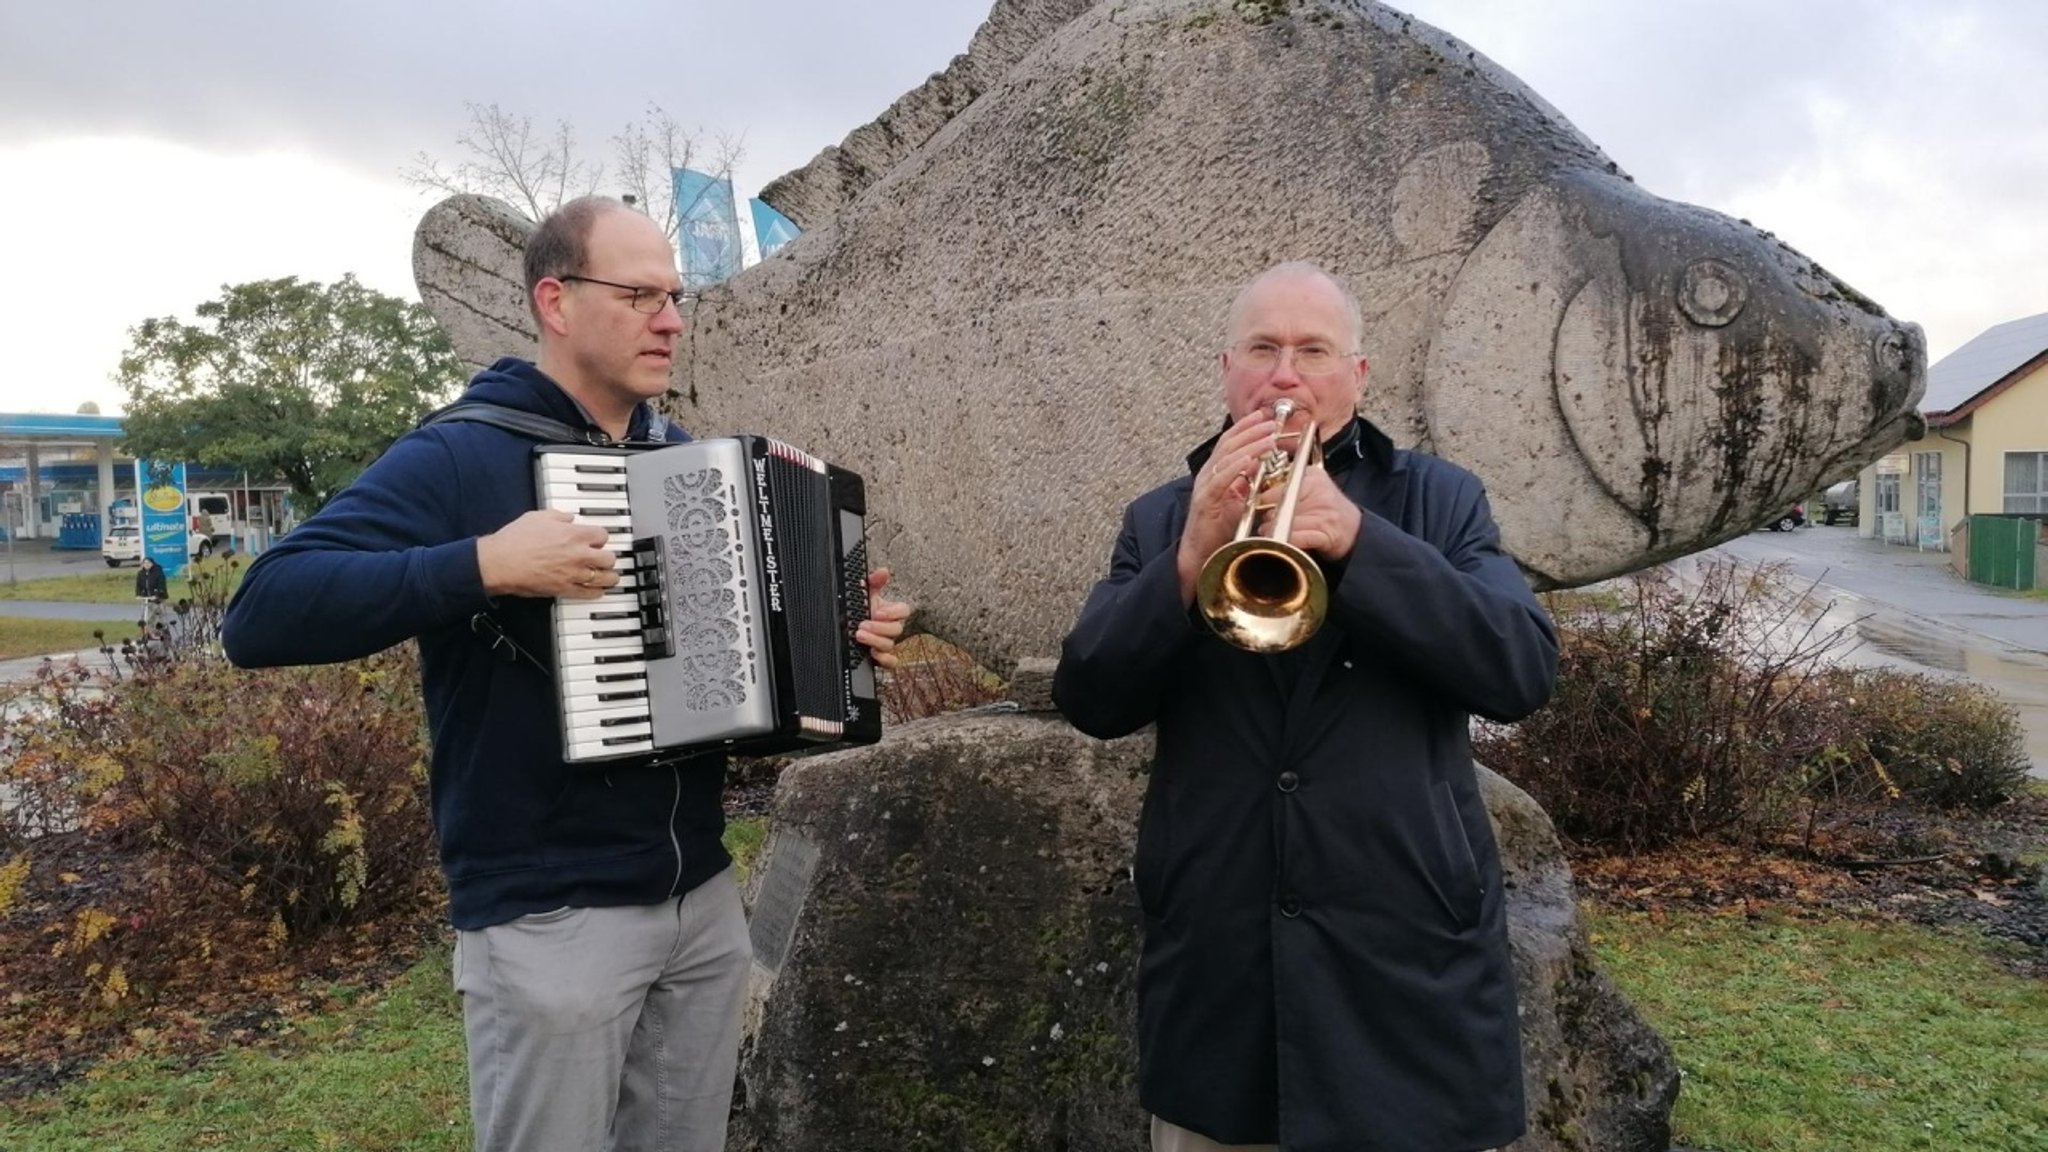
(154, 150)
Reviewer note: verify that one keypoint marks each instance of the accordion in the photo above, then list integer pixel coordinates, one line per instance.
(743, 575)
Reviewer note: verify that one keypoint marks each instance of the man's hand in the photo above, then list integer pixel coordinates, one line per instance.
(1221, 488)
(1326, 522)
(884, 625)
(885, 620)
(545, 553)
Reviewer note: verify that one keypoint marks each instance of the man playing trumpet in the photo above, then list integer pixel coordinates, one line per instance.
(1325, 963)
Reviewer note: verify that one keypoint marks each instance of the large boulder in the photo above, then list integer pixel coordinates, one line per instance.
(1007, 308)
(946, 954)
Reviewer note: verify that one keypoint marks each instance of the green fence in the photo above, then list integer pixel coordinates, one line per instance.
(2002, 551)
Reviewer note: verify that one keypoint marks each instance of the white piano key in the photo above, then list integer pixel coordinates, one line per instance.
(571, 467)
(597, 489)
(591, 489)
(625, 606)
(592, 693)
(588, 714)
(571, 646)
(590, 677)
(574, 732)
(599, 628)
(591, 715)
(599, 750)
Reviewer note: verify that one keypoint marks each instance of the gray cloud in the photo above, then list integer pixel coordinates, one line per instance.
(375, 81)
(1695, 98)
(1899, 109)
(1703, 98)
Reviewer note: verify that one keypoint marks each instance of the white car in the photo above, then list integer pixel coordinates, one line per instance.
(123, 545)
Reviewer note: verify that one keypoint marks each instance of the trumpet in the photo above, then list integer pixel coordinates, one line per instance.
(1262, 593)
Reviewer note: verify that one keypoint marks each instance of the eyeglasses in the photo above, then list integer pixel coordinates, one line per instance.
(1309, 359)
(648, 300)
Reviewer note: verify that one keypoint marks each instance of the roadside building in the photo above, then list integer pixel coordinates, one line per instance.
(1986, 448)
(61, 474)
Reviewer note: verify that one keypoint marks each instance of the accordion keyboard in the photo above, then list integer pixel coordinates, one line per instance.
(742, 575)
(601, 645)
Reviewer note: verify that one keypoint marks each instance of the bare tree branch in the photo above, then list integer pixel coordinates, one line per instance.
(503, 156)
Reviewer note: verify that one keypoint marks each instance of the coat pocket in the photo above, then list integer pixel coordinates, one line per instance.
(1461, 887)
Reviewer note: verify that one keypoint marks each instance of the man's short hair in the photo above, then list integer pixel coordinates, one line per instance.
(1290, 270)
(560, 246)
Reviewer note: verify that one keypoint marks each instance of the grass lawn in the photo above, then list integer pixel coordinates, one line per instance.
(387, 1073)
(1797, 1035)
(1793, 1035)
(27, 636)
(108, 586)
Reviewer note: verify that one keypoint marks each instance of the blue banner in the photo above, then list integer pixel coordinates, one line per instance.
(707, 228)
(161, 486)
(771, 228)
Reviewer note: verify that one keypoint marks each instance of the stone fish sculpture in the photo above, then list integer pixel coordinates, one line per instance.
(1007, 304)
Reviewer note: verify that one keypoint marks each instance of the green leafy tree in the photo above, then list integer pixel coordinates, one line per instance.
(302, 381)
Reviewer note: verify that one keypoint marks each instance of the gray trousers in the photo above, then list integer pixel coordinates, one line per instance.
(606, 1029)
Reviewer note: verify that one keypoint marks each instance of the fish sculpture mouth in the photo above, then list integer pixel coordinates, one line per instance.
(1696, 368)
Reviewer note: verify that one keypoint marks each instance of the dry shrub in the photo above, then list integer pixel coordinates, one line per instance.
(932, 678)
(246, 811)
(1679, 711)
(1936, 740)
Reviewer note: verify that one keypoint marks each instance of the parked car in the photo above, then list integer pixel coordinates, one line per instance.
(1839, 503)
(121, 545)
(1794, 517)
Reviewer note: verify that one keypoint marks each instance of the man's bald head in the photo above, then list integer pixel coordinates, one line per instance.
(560, 246)
(1293, 271)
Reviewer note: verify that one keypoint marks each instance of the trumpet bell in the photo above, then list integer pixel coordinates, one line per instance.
(1262, 594)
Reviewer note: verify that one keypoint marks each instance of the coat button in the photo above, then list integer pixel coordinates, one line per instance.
(1288, 781)
(1290, 907)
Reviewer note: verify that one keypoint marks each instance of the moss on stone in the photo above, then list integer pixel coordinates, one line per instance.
(1264, 11)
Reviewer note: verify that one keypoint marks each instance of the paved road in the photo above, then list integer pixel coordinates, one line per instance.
(64, 610)
(36, 560)
(1909, 609)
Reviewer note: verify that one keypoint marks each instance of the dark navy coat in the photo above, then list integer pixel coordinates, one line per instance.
(1325, 962)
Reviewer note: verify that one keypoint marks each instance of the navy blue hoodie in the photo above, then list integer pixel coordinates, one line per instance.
(393, 557)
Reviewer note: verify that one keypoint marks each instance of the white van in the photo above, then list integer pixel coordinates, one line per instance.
(212, 517)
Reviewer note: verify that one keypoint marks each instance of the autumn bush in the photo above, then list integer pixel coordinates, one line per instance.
(1935, 740)
(246, 811)
(1716, 704)
(1683, 708)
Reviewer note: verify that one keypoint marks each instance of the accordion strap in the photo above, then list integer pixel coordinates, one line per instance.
(531, 425)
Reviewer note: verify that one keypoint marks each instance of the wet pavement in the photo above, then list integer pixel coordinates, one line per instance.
(65, 610)
(1908, 609)
(36, 560)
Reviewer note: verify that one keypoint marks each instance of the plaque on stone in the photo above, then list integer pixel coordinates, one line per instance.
(792, 857)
